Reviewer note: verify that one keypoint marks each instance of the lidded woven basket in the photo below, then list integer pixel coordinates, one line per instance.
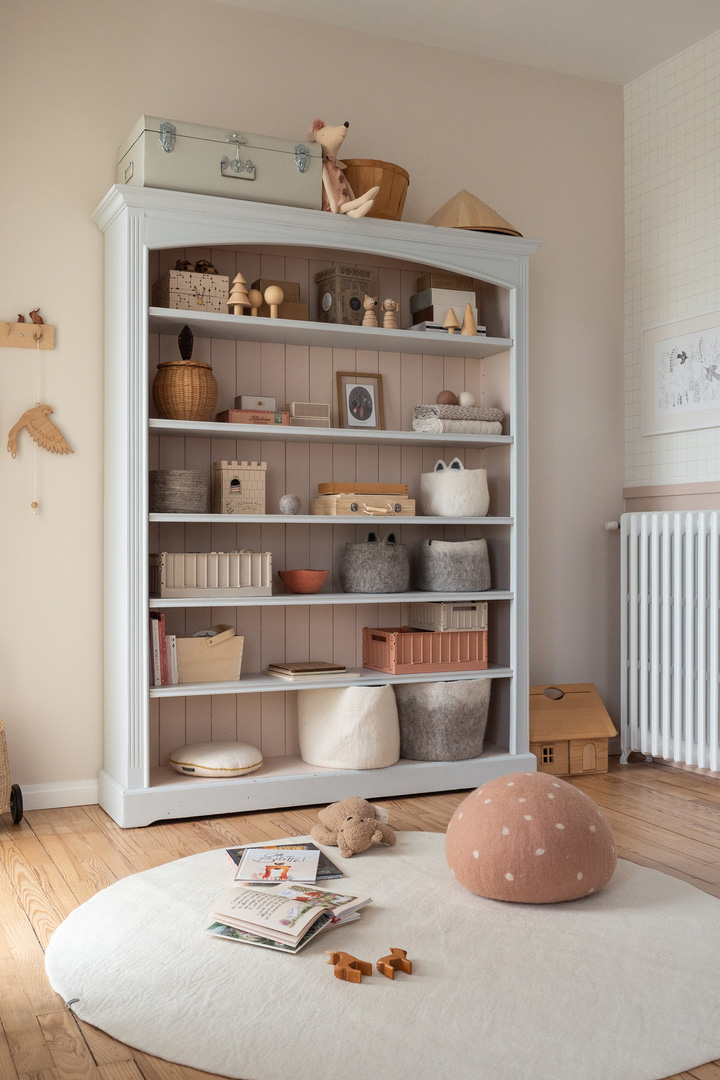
(185, 389)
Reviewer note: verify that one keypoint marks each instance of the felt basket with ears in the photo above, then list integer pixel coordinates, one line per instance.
(454, 491)
(375, 566)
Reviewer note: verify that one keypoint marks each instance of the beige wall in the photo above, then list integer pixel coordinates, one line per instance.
(544, 150)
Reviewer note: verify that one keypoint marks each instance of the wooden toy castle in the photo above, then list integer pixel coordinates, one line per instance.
(569, 729)
(239, 487)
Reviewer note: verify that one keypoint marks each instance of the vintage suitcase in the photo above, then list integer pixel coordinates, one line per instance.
(221, 161)
(376, 505)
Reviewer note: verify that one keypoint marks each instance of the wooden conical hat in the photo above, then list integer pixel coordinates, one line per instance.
(466, 211)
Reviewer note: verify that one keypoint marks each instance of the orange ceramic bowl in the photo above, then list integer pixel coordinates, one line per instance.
(303, 581)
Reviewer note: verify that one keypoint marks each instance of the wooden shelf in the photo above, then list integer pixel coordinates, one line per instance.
(314, 599)
(210, 429)
(256, 681)
(325, 335)
(325, 519)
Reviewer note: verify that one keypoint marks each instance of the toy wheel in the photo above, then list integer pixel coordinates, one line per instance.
(16, 804)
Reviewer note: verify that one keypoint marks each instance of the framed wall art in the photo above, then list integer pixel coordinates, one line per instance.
(360, 400)
(681, 375)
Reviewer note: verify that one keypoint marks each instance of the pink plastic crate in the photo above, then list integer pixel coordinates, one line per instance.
(402, 651)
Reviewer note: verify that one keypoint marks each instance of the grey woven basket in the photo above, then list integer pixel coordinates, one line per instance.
(178, 491)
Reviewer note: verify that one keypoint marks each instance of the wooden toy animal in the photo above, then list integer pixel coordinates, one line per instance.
(40, 429)
(338, 196)
(396, 961)
(347, 967)
(370, 304)
(36, 316)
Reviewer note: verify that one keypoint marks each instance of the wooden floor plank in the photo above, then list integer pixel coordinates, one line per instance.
(665, 818)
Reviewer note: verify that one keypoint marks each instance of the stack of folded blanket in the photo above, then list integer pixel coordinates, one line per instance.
(458, 419)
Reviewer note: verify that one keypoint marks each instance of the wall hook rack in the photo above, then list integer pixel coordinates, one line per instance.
(16, 335)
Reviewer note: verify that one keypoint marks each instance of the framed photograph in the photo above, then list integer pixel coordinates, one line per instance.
(681, 375)
(360, 400)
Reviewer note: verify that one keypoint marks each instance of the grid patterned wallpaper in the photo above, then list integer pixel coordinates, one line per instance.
(672, 238)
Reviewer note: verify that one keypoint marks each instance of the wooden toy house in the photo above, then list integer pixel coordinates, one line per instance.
(239, 487)
(569, 729)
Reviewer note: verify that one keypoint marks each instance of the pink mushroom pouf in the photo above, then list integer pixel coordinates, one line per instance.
(530, 838)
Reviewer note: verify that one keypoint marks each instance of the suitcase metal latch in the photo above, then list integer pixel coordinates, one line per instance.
(236, 167)
(166, 134)
(302, 157)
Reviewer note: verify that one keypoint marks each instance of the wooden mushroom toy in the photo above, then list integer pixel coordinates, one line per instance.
(274, 296)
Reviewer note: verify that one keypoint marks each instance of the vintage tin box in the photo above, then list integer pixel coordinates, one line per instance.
(207, 160)
(187, 291)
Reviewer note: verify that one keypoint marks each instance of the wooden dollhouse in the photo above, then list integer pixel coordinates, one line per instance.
(569, 729)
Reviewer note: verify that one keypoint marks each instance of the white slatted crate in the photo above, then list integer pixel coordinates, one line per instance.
(446, 615)
(213, 573)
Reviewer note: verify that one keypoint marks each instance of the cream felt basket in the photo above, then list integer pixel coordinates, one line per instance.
(210, 659)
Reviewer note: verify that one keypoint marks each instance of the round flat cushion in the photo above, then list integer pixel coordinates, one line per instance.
(531, 838)
(216, 759)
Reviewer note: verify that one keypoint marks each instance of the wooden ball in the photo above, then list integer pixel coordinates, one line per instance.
(466, 399)
(274, 295)
(255, 297)
(446, 397)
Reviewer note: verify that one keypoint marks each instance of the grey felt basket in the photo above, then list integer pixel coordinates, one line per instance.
(375, 566)
(443, 721)
(453, 566)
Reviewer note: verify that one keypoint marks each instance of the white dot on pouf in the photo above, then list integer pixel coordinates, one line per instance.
(216, 759)
(497, 833)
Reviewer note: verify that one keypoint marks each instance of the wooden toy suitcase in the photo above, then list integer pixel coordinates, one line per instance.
(228, 162)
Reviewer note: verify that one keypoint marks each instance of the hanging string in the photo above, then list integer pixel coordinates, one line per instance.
(34, 503)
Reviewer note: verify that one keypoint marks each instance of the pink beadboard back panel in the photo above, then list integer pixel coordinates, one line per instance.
(308, 373)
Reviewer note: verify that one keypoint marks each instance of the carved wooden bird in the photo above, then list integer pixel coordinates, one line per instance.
(40, 429)
(36, 317)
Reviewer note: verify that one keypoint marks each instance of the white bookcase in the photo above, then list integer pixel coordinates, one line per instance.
(145, 231)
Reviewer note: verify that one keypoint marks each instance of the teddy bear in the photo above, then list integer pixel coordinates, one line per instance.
(338, 196)
(351, 826)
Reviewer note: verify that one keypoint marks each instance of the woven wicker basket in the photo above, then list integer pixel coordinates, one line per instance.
(185, 390)
(178, 491)
(362, 174)
(5, 784)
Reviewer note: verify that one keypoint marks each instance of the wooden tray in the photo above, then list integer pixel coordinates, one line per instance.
(346, 488)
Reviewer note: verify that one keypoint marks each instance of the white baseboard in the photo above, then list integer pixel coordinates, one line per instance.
(65, 793)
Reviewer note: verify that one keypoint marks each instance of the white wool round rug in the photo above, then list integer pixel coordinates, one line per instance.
(622, 984)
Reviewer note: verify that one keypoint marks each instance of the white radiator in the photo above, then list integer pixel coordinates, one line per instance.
(670, 567)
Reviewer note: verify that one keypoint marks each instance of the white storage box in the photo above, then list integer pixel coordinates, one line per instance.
(184, 290)
(213, 573)
(171, 154)
(459, 615)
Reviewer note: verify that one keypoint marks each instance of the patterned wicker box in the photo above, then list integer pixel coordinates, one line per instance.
(402, 651)
(184, 290)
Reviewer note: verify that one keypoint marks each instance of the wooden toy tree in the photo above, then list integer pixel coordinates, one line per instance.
(238, 298)
(468, 324)
(451, 322)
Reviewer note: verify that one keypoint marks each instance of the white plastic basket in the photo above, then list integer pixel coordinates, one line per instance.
(445, 615)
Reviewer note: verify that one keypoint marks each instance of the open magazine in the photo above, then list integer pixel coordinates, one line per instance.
(285, 916)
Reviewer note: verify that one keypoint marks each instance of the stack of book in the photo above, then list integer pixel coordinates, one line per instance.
(163, 653)
(309, 669)
(436, 294)
(276, 902)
